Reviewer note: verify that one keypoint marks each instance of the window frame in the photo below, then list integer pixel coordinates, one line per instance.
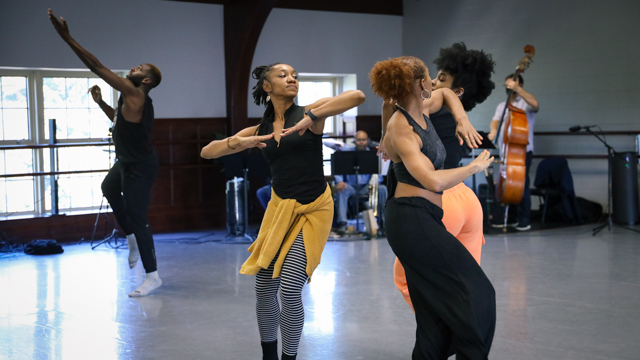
(341, 83)
(37, 136)
(336, 82)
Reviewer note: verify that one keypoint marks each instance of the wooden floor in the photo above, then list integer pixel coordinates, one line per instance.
(561, 294)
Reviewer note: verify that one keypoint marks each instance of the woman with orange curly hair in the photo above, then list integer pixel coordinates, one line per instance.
(467, 73)
(453, 299)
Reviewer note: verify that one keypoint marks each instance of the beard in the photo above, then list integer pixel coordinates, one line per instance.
(135, 79)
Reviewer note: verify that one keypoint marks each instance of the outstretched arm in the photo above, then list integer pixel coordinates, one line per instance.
(324, 108)
(494, 129)
(244, 139)
(388, 108)
(465, 132)
(124, 86)
(407, 147)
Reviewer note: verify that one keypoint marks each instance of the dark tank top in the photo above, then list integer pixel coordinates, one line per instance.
(132, 140)
(445, 126)
(296, 165)
(432, 148)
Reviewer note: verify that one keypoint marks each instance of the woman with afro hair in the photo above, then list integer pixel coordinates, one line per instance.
(453, 299)
(468, 74)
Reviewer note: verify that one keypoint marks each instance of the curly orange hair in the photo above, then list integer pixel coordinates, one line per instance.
(393, 78)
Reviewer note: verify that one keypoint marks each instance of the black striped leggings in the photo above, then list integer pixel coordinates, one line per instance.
(290, 319)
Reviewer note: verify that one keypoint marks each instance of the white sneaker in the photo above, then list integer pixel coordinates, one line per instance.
(523, 228)
(501, 225)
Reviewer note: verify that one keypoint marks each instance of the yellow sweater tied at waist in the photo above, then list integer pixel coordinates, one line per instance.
(283, 220)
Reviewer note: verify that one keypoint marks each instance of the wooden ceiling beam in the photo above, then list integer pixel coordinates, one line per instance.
(381, 7)
(243, 22)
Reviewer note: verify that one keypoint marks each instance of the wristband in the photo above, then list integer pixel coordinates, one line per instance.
(310, 114)
(229, 146)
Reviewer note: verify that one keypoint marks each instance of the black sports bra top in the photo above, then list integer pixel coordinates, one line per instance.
(432, 148)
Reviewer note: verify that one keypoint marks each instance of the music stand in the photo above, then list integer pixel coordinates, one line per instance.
(486, 144)
(355, 163)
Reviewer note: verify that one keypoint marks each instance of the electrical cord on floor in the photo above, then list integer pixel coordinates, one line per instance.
(7, 248)
(191, 240)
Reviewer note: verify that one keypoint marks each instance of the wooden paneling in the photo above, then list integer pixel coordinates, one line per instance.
(371, 124)
(188, 193)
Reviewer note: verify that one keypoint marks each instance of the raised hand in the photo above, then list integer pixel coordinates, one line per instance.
(301, 126)
(512, 85)
(382, 150)
(60, 25)
(96, 93)
(481, 162)
(465, 132)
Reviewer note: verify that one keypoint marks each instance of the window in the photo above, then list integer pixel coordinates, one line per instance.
(313, 87)
(28, 99)
(16, 193)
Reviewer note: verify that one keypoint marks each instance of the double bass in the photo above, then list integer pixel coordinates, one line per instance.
(513, 147)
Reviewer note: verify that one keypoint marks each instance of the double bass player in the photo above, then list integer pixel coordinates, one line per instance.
(525, 101)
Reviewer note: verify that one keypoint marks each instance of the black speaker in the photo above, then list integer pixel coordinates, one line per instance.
(624, 188)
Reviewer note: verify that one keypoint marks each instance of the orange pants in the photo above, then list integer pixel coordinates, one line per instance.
(463, 219)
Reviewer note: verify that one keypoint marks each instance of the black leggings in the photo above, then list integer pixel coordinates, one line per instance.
(293, 276)
(453, 299)
(127, 187)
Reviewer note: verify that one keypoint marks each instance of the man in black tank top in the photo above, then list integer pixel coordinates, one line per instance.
(127, 186)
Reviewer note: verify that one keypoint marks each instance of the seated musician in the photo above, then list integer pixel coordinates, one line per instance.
(346, 185)
(527, 102)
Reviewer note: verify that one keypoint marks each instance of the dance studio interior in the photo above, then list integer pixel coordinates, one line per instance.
(566, 279)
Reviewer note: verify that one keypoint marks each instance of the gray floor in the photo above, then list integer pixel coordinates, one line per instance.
(561, 294)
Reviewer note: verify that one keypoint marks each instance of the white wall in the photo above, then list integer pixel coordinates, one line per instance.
(329, 42)
(584, 71)
(185, 40)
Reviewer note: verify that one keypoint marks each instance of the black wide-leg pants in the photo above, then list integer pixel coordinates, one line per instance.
(127, 187)
(453, 299)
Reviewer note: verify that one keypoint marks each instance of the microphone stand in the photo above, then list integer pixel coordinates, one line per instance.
(115, 235)
(610, 152)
